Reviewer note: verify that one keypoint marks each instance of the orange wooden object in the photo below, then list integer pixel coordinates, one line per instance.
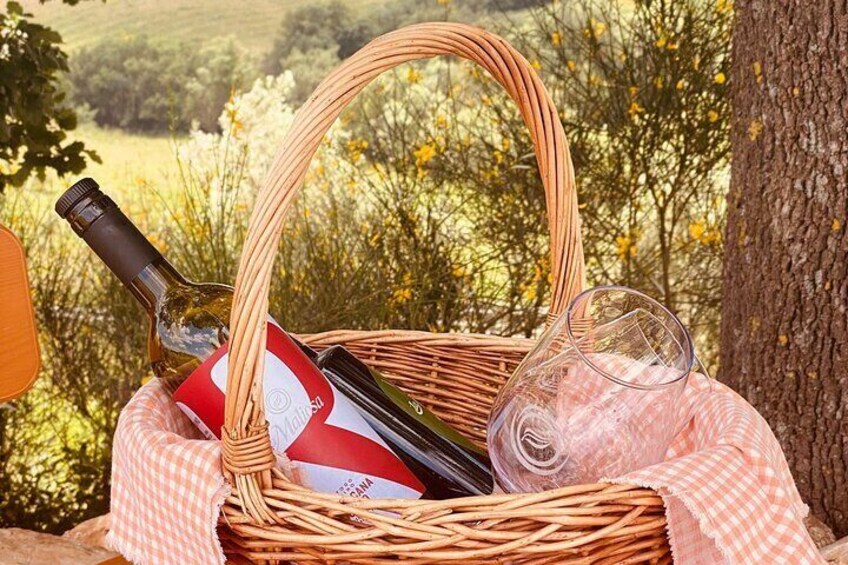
(19, 360)
(115, 561)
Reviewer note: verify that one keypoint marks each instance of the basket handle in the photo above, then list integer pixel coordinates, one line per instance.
(247, 456)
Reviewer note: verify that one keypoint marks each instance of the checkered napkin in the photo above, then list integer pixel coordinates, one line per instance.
(727, 489)
(728, 492)
(167, 485)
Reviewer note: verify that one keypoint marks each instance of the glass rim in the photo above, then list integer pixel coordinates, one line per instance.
(688, 348)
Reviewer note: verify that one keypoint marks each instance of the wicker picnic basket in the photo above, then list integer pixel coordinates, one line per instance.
(269, 519)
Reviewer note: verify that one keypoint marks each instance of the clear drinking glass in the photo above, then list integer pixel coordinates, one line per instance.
(599, 395)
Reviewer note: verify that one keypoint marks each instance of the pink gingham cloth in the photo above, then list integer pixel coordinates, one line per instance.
(728, 492)
(727, 489)
(167, 485)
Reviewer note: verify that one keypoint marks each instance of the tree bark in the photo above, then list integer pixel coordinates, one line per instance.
(784, 341)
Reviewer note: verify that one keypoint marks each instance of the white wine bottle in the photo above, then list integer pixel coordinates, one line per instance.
(336, 444)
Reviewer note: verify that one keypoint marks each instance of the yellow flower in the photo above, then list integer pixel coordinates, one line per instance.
(724, 6)
(712, 115)
(758, 71)
(635, 108)
(505, 143)
(441, 121)
(424, 153)
(232, 115)
(626, 247)
(401, 295)
(661, 42)
(598, 28)
(355, 148)
(634, 90)
(680, 84)
(556, 38)
(836, 225)
(413, 76)
(458, 271)
(658, 82)
(701, 232)
(536, 64)
(443, 2)
(720, 78)
(697, 229)
(572, 65)
(595, 28)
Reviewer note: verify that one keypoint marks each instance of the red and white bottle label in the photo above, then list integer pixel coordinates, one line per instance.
(313, 423)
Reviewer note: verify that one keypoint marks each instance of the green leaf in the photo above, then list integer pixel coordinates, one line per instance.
(33, 130)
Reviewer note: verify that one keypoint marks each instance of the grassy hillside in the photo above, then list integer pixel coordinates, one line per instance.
(253, 23)
(133, 167)
(129, 159)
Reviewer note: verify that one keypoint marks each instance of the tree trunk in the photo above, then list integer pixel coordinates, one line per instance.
(784, 340)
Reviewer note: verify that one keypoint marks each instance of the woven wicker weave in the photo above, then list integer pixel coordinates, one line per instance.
(268, 519)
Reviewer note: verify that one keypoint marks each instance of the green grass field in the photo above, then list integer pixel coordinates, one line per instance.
(132, 160)
(125, 154)
(254, 24)
(132, 165)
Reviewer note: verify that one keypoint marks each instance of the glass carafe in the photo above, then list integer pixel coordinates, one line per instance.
(599, 395)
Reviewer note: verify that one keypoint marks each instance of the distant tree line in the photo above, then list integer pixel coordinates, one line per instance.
(140, 84)
(315, 38)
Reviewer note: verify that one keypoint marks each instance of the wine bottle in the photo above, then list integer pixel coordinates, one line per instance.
(446, 462)
(317, 427)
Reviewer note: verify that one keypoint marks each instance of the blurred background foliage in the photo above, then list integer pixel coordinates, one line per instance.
(423, 210)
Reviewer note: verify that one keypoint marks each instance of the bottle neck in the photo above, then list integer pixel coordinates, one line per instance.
(154, 281)
(123, 248)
